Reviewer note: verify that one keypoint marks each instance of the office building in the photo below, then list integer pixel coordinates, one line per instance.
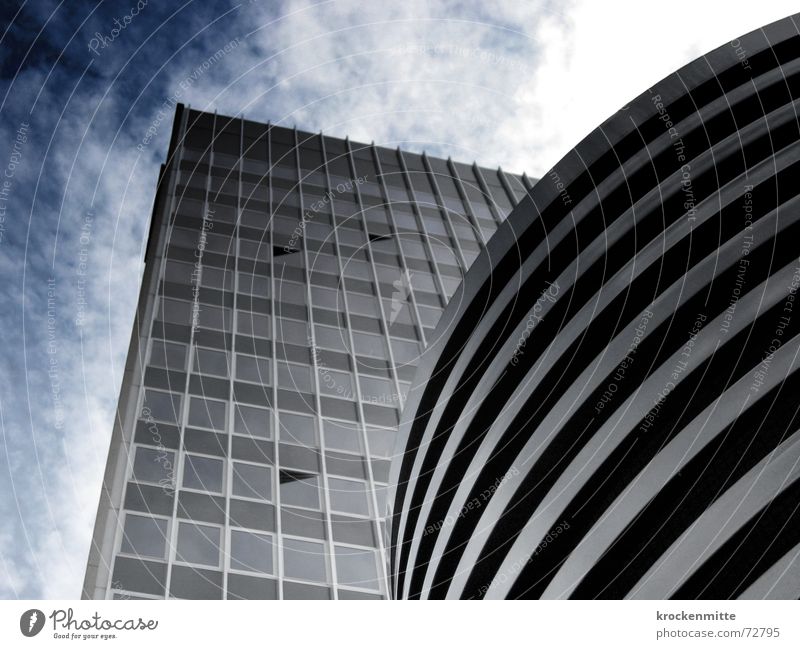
(292, 283)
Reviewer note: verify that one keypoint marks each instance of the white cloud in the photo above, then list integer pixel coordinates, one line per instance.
(55, 472)
(601, 55)
(505, 83)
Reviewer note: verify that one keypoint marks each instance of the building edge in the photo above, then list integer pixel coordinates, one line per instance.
(99, 560)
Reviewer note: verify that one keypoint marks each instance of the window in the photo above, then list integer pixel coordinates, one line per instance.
(348, 496)
(223, 213)
(405, 351)
(470, 256)
(385, 246)
(211, 362)
(253, 218)
(403, 220)
(297, 429)
(214, 317)
(319, 245)
(253, 192)
(144, 536)
(336, 384)
(356, 567)
(252, 481)
(168, 355)
(326, 298)
(250, 368)
(251, 551)
(429, 315)
(253, 324)
(164, 406)
(354, 531)
(390, 274)
(381, 441)
(220, 244)
(331, 338)
(321, 231)
(357, 269)
(154, 465)
(375, 211)
(249, 420)
(450, 284)
(412, 249)
(465, 232)
(284, 225)
(487, 228)
(288, 265)
(203, 473)
(444, 255)
(369, 345)
(299, 489)
(253, 284)
(179, 273)
(363, 305)
(294, 377)
(397, 309)
(304, 560)
(291, 292)
(351, 237)
(183, 236)
(381, 496)
(422, 281)
(376, 390)
(217, 278)
(342, 436)
(346, 209)
(254, 249)
(347, 594)
(207, 413)
(188, 206)
(198, 544)
(435, 227)
(291, 331)
(218, 185)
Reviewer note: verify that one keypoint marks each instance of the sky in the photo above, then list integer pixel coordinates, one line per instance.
(509, 83)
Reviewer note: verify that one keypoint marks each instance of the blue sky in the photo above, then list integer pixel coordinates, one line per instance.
(507, 83)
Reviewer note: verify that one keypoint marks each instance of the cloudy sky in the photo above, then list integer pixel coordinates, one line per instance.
(507, 83)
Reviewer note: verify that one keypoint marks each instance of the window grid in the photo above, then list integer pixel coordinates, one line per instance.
(484, 187)
(178, 468)
(274, 390)
(226, 530)
(468, 210)
(444, 213)
(370, 477)
(421, 225)
(403, 264)
(224, 184)
(173, 542)
(328, 543)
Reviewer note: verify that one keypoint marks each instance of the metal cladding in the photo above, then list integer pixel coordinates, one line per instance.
(612, 410)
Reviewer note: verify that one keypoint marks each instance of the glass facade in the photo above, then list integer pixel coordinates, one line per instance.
(296, 281)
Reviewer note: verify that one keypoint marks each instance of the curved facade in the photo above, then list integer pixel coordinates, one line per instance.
(612, 408)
